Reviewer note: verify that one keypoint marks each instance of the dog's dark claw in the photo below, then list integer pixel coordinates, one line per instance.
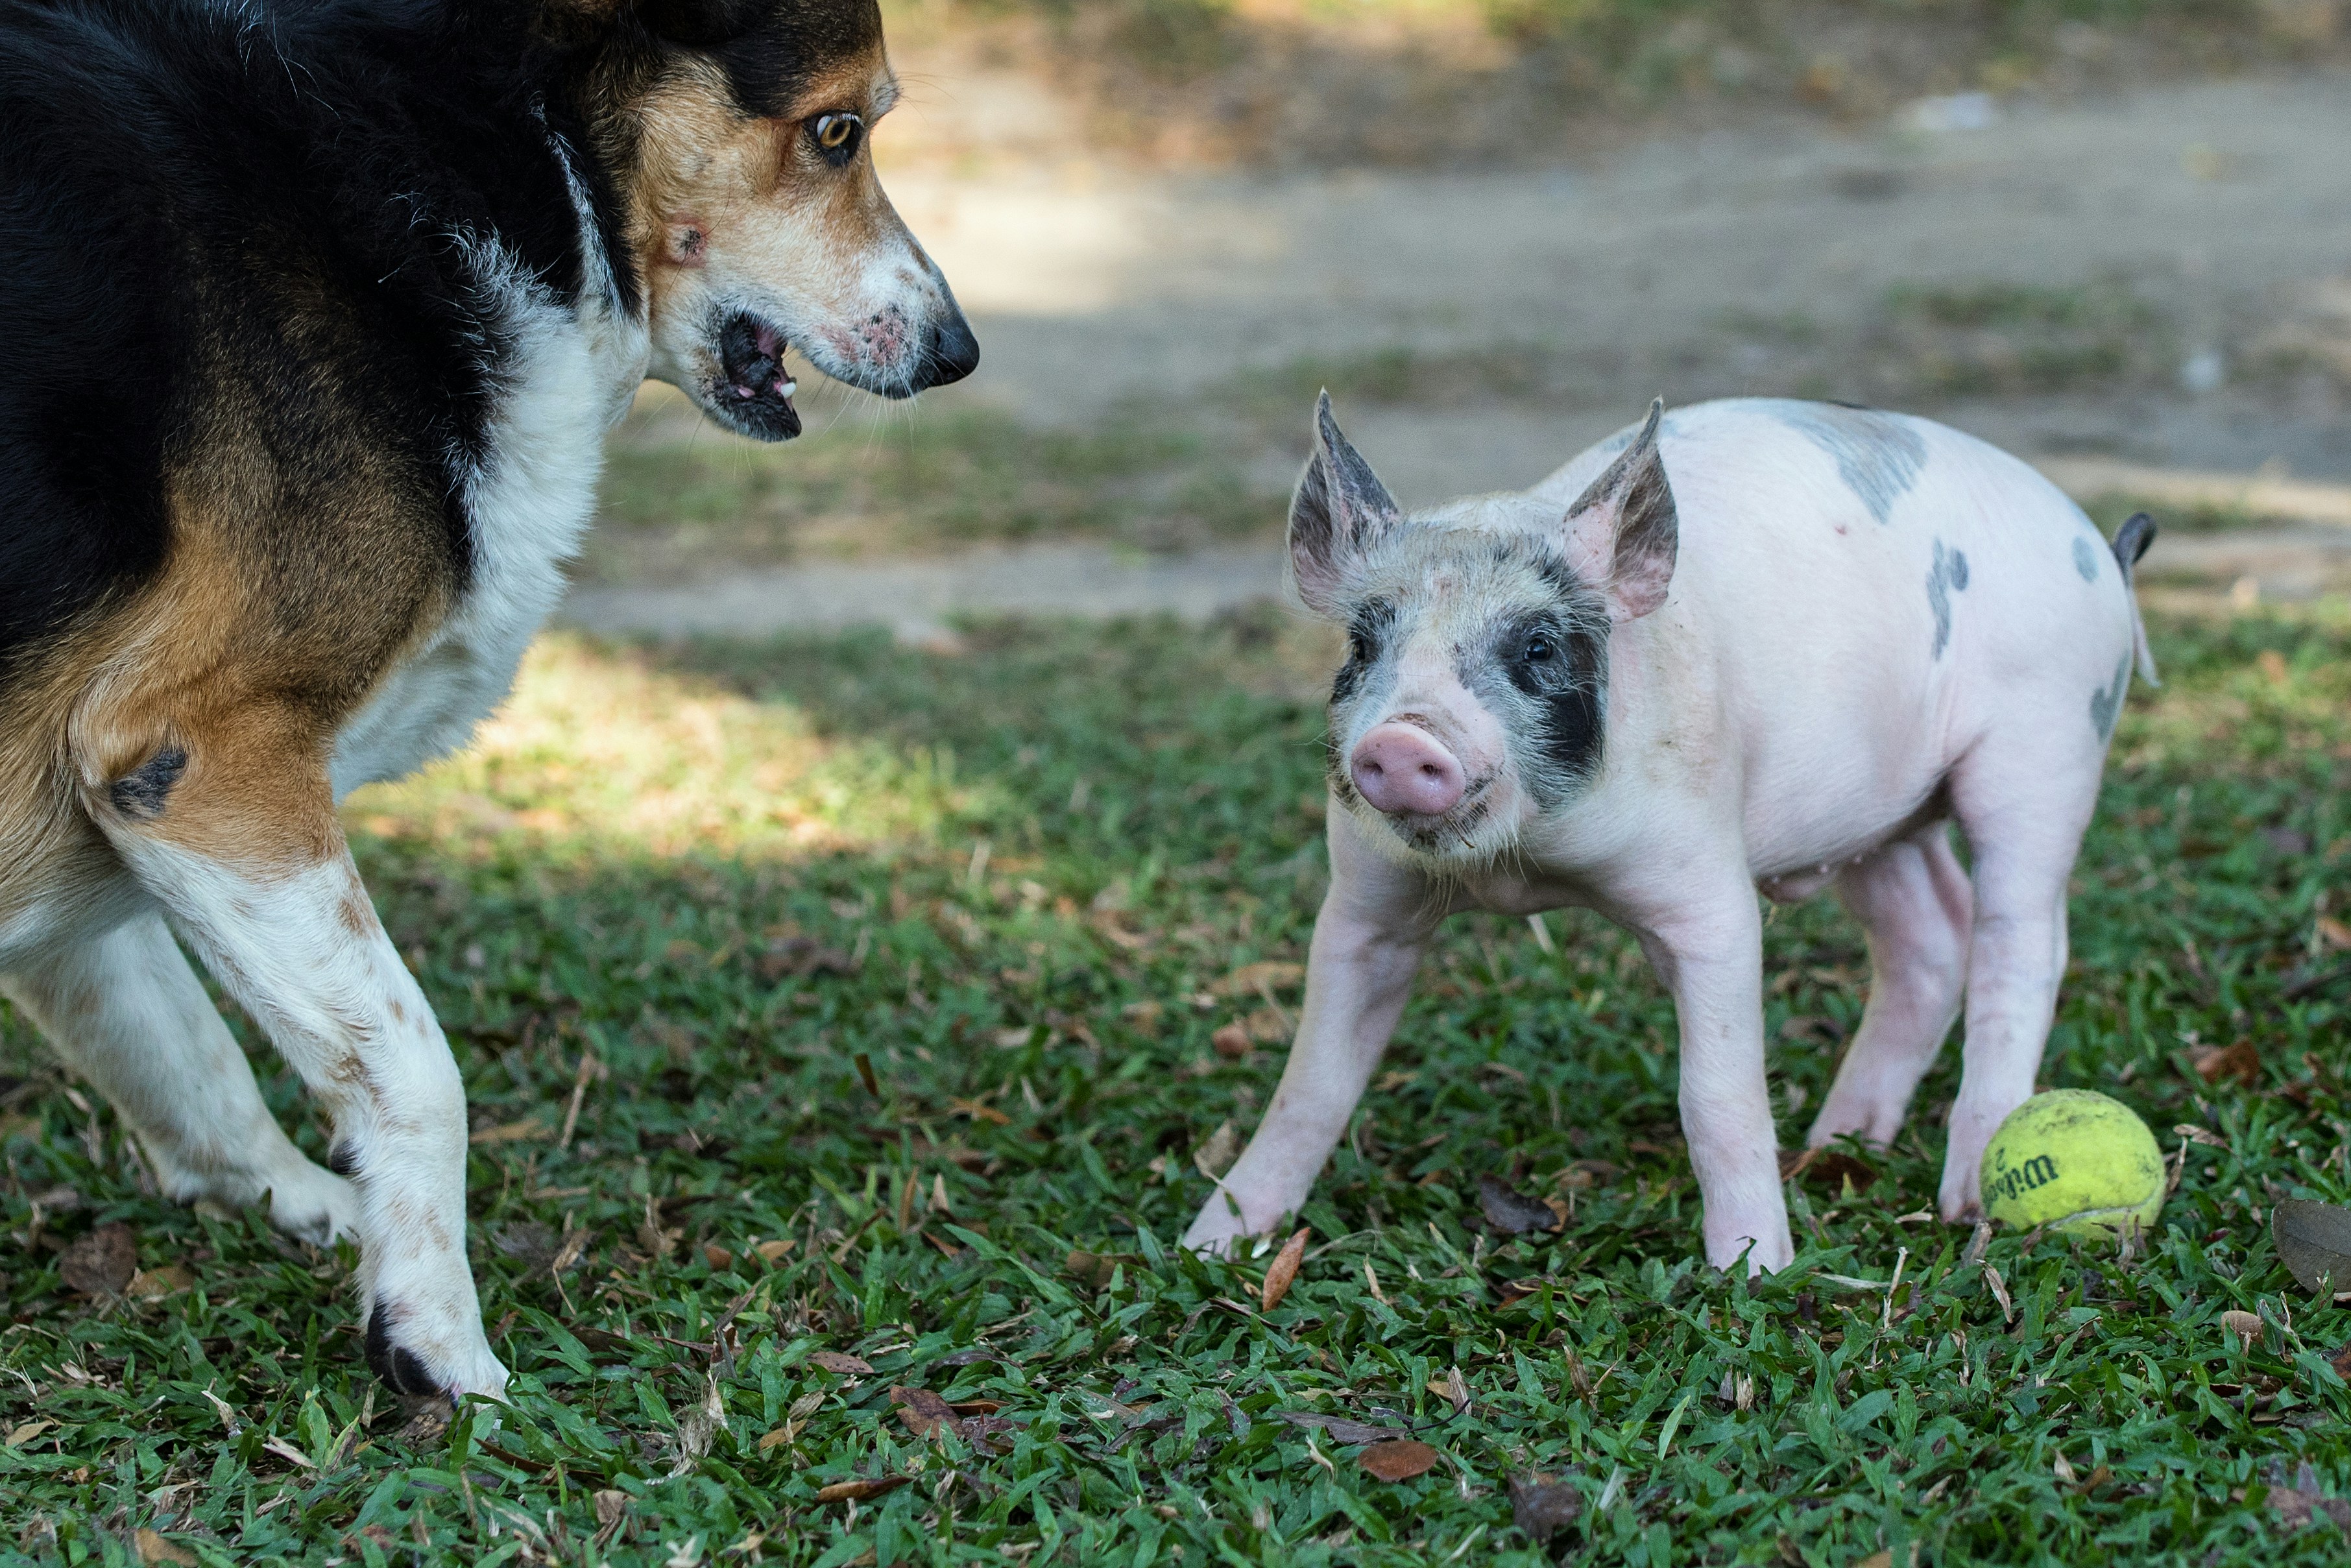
(403, 1371)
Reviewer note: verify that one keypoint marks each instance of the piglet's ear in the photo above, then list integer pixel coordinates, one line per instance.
(1622, 533)
(1339, 508)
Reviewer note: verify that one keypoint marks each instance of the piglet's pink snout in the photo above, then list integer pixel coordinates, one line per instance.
(1401, 767)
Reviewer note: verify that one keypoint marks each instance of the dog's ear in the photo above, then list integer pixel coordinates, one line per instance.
(1623, 534)
(1339, 508)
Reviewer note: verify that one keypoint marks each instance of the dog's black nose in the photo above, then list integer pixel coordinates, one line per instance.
(952, 353)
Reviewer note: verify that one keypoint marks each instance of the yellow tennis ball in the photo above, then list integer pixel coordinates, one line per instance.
(2075, 1161)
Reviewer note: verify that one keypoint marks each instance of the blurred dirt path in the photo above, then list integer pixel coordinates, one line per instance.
(2210, 197)
(918, 601)
(2219, 201)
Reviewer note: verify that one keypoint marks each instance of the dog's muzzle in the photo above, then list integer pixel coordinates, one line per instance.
(754, 390)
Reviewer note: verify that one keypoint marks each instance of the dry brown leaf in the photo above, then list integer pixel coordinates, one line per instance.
(801, 957)
(1511, 1212)
(154, 1548)
(1267, 1026)
(100, 1263)
(1098, 1268)
(2314, 1240)
(1344, 1432)
(775, 1439)
(1517, 1290)
(922, 1411)
(1272, 975)
(1542, 1506)
(771, 1251)
(717, 1257)
(1214, 1156)
(841, 1362)
(1106, 923)
(1452, 1389)
(2298, 1503)
(20, 1435)
(2334, 932)
(1283, 1269)
(1830, 1169)
(979, 1113)
(1398, 1459)
(1232, 1041)
(2240, 1061)
(2000, 1293)
(152, 1284)
(859, 1490)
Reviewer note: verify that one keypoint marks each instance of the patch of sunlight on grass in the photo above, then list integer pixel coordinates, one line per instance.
(598, 745)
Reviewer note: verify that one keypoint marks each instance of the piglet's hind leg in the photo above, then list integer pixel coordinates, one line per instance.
(1913, 899)
(2024, 843)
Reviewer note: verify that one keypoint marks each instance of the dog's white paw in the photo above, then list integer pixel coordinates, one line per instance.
(432, 1354)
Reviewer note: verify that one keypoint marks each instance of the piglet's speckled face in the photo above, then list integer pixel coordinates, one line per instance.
(1472, 695)
(1473, 698)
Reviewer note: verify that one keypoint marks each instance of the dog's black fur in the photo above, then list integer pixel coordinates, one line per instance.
(266, 190)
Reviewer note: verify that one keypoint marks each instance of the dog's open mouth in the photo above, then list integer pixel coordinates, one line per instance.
(754, 392)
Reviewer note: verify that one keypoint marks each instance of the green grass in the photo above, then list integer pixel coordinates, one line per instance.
(867, 479)
(652, 846)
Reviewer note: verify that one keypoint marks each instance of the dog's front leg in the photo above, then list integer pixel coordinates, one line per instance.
(254, 873)
(126, 1012)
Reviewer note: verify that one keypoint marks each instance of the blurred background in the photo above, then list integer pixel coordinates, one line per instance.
(2114, 235)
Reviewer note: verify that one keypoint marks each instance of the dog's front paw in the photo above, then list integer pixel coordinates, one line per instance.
(314, 1204)
(413, 1359)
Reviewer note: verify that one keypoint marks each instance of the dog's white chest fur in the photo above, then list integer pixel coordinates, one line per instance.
(568, 375)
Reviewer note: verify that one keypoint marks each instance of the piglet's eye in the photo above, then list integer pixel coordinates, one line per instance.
(1539, 649)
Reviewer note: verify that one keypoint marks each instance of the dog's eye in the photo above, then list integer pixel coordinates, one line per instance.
(835, 135)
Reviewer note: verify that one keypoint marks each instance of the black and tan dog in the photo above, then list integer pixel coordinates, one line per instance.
(312, 315)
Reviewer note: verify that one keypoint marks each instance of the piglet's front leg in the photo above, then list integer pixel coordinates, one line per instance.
(1358, 975)
(1710, 955)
